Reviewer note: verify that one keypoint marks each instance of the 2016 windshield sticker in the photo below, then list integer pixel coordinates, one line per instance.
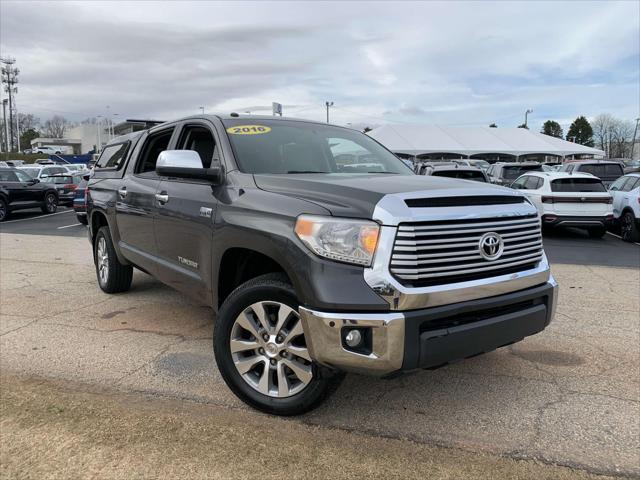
(248, 130)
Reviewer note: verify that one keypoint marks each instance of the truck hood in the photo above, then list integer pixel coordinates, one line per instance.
(356, 196)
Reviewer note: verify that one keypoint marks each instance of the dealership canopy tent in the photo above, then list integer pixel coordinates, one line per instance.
(466, 141)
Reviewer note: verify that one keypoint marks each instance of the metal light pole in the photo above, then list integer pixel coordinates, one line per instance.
(633, 142)
(201, 110)
(526, 116)
(328, 104)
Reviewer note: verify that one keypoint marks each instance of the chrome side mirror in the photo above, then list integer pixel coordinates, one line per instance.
(186, 164)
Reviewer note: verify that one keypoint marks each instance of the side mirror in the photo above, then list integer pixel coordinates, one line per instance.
(186, 164)
(33, 181)
(86, 176)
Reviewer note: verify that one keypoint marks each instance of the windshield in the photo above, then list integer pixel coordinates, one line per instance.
(465, 174)
(577, 185)
(291, 147)
(513, 172)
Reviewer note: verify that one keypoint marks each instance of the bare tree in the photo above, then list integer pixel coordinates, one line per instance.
(28, 121)
(613, 135)
(55, 127)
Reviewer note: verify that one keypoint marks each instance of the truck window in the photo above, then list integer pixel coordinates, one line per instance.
(199, 139)
(112, 156)
(153, 146)
(463, 174)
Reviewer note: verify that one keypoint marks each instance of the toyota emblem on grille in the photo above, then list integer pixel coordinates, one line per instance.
(491, 246)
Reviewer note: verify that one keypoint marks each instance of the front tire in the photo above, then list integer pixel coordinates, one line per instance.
(261, 351)
(629, 227)
(4, 210)
(113, 276)
(597, 232)
(50, 203)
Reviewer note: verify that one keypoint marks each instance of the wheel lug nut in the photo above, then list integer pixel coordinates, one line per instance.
(265, 337)
(279, 339)
(273, 361)
(261, 351)
(283, 353)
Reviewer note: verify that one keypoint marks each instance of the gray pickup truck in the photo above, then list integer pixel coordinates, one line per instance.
(320, 251)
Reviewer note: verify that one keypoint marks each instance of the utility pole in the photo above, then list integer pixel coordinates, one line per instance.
(526, 116)
(6, 125)
(633, 142)
(328, 104)
(10, 79)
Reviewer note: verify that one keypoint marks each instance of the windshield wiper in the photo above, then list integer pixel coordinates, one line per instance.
(305, 171)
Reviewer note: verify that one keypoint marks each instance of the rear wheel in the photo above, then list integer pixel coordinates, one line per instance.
(262, 353)
(113, 276)
(4, 210)
(629, 227)
(597, 232)
(50, 203)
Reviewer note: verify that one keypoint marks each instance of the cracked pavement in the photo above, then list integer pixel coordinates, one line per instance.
(570, 395)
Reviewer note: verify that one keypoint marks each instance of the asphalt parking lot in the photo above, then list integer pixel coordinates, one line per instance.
(569, 396)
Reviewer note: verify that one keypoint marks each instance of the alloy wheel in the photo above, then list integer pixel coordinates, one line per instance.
(52, 203)
(102, 259)
(626, 226)
(269, 351)
(3, 211)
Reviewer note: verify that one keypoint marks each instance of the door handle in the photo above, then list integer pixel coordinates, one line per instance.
(122, 192)
(162, 198)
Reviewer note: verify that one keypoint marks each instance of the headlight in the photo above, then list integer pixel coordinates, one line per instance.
(344, 240)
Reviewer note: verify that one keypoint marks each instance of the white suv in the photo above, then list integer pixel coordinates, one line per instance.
(626, 206)
(568, 200)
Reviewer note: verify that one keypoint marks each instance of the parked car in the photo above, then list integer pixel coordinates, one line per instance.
(52, 149)
(43, 171)
(482, 164)
(569, 200)
(626, 206)
(16, 163)
(313, 269)
(19, 191)
(4, 164)
(458, 171)
(80, 201)
(76, 167)
(607, 171)
(504, 173)
(631, 166)
(66, 185)
(421, 168)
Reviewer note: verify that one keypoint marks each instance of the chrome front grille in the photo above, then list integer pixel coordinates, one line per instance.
(448, 251)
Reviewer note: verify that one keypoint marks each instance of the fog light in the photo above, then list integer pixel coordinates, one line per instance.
(353, 338)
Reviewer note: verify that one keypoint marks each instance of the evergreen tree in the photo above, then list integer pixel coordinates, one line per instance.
(552, 128)
(581, 132)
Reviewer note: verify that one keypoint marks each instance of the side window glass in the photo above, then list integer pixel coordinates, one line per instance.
(519, 183)
(22, 177)
(154, 145)
(200, 140)
(8, 176)
(634, 184)
(113, 156)
(628, 184)
(617, 185)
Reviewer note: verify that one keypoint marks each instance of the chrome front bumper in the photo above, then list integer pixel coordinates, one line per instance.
(390, 334)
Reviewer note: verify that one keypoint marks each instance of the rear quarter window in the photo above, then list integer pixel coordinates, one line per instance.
(113, 156)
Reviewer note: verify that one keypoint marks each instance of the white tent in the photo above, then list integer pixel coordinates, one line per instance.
(466, 141)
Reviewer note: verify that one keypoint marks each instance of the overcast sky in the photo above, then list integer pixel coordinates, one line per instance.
(449, 63)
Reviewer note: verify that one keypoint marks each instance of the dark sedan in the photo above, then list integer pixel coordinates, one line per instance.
(66, 186)
(80, 203)
(19, 191)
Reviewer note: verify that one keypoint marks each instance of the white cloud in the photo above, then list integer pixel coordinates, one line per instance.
(437, 62)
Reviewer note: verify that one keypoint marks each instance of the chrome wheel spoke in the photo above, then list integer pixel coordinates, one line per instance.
(294, 332)
(284, 312)
(258, 310)
(247, 323)
(265, 379)
(303, 372)
(247, 364)
(283, 381)
(301, 352)
(243, 345)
